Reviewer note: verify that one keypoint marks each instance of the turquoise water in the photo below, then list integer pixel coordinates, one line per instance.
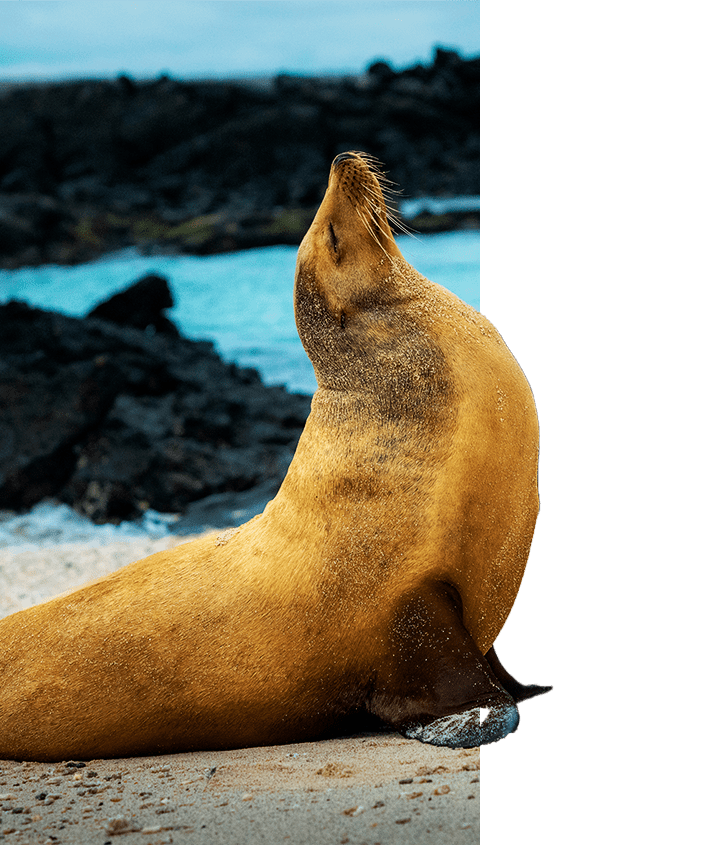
(241, 301)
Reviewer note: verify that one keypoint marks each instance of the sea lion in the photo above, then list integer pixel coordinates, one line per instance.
(374, 583)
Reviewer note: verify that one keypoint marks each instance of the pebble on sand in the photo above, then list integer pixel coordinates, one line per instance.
(118, 825)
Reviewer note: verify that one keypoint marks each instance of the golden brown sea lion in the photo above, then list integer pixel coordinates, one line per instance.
(375, 582)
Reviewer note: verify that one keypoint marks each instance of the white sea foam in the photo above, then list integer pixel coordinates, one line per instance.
(410, 208)
(49, 524)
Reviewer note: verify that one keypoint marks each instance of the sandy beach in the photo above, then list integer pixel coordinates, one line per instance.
(370, 788)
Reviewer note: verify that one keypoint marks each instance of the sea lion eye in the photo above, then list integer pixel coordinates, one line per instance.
(333, 238)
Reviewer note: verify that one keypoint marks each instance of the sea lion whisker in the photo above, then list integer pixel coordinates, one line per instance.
(387, 186)
(386, 211)
(376, 206)
(372, 230)
(395, 220)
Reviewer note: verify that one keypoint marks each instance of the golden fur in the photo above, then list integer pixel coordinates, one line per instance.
(409, 506)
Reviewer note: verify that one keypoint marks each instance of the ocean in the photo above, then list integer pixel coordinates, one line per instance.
(242, 302)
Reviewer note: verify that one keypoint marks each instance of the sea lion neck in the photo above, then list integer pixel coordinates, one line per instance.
(383, 351)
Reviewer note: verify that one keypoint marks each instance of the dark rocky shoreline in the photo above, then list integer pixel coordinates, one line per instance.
(116, 413)
(115, 418)
(210, 166)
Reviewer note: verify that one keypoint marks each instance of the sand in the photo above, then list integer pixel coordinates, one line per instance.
(370, 788)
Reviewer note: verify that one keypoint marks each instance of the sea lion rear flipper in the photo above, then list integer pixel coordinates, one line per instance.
(437, 686)
(519, 692)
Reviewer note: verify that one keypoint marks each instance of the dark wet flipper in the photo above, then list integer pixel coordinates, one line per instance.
(438, 688)
(473, 727)
(530, 691)
(518, 691)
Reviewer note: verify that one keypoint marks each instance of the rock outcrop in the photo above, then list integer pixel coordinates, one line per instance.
(215, 166)
(115, 419)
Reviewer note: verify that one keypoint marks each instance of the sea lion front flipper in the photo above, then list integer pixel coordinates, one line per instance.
(519, 692)
(437, 686)
(469, 729)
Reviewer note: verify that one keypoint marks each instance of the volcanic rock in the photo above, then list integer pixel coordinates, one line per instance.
(215, 166)
(115, 420)
(140, 305)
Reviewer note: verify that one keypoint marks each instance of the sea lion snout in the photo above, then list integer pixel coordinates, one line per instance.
(357, 181)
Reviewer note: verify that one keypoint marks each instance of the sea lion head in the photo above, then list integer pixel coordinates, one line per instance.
(345, 255)
(349, 243)
(351, 279)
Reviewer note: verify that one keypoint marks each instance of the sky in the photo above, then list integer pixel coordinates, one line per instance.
(56, 39)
